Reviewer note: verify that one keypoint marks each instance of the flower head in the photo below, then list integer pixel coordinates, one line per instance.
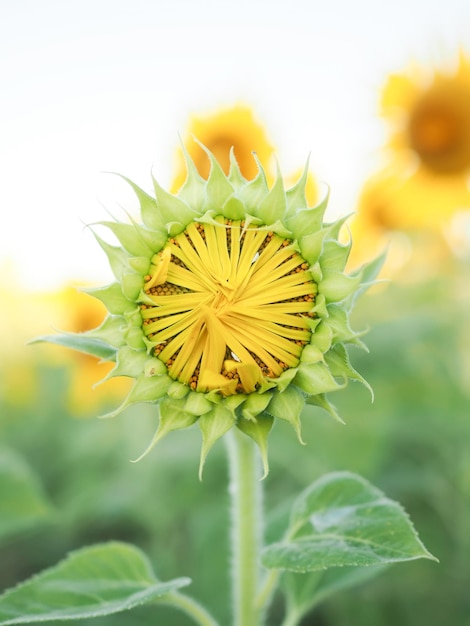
(425, 181)
(230, 306)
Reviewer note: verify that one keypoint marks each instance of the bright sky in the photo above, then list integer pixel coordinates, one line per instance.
(106, 85)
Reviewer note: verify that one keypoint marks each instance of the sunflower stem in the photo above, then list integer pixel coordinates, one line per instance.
(191, 607)
(246, 495)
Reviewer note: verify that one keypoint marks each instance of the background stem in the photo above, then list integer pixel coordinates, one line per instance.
(246, 495)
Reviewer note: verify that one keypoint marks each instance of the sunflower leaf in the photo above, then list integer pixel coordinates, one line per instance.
(342, 520)
(95, 581)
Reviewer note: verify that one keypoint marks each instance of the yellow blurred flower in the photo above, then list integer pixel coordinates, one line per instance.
(426, 180)
(235, 127)
(66, 309)
(76, 311)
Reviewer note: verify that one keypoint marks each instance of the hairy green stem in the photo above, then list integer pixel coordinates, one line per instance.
(291, 620)
(190, 607)
(246, 494)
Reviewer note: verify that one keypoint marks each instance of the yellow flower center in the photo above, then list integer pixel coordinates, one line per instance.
(230, 306)
(439, 130)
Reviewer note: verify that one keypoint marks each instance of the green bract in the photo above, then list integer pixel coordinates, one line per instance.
(230, 307)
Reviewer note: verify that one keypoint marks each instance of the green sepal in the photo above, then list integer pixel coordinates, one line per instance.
(219, 188)
(117, 256)
(135, 338)
(334, 256)
(368, 274)
(338, 322)
(316, 378)
(273, 206)
(197, 404)
(311, 245)
(234, 209)
(234, 175)
(230, 402)
(311, 354)
(133, 363)
(140, 264)
(129, 236)
(295, 195)
(304, 221)
(321, 401)
(320, 307)
(148, 388)
(129, 362)
(148, 207)
(255, 404)
(258, 430)
(286, 378)
(193, 191)
(254, 192)
(154, 239)
(177, 390)
(172, 417)
(339, 364)
(322, 338)
(287, 405)
(112, 298)
(173, 210)
(154, 367)
(110, 331)
(336, 286)
(145, 389)
(213, 425)
(131, 284)
(82, 343)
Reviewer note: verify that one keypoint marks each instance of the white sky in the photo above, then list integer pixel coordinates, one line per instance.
(105, 85)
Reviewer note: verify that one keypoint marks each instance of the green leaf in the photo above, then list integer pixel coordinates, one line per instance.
(305, 591)
(82, 343)
(23, 505)
(342, 520)
(91, 582)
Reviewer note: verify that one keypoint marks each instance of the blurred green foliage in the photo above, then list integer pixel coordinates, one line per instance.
(412, 442)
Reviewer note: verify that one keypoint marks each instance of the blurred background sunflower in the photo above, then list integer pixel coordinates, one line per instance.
(423, 190)
(379, 96)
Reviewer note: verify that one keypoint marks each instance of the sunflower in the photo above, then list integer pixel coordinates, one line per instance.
(230, 306)
(426, 180)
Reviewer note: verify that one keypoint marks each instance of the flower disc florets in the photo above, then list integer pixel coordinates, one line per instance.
(230, 306)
